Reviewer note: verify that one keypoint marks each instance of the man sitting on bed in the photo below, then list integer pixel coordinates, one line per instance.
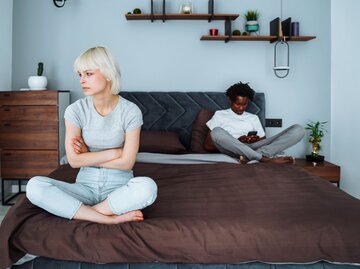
(229, 131)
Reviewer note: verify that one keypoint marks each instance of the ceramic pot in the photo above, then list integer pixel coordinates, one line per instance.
(37, 83)
(252, 26)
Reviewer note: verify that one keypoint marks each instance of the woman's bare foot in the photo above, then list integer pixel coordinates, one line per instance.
(135, 215)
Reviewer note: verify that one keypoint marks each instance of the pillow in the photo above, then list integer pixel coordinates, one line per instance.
(200, 131)
(160, 142)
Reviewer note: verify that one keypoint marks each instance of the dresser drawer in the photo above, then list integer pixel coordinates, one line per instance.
(47, 113)
(29, 135)
(27, 163)
(29, 98)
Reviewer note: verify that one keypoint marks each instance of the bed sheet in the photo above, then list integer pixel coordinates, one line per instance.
(219, 213)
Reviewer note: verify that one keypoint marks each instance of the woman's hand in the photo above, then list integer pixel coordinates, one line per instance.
(79, 145)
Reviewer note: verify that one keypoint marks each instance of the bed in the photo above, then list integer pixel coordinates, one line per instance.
(211, 212)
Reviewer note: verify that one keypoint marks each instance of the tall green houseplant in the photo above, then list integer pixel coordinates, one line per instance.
(317, 130)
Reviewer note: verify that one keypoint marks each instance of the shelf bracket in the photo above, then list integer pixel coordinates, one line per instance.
(211, 10)
(274, 40)
(228, 29)
(164, 14)
(152, 10)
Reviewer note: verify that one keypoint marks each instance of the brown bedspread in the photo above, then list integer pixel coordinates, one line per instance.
(213, 213)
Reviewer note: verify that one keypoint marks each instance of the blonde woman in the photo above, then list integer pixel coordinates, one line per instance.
(102, 139)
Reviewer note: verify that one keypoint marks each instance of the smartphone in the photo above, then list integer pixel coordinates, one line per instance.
(252, 133)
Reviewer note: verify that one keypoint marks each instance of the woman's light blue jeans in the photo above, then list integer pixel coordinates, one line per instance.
(93, 185)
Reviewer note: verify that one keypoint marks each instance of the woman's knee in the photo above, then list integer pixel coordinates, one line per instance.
(35, 189)
(147, 188)
(139, 193)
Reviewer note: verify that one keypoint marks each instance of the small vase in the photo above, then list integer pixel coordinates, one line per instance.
(37, 83)
(252, 26)
(186, 8)
(315, 148)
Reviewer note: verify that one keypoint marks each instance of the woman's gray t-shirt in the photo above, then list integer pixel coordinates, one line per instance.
(104, 132)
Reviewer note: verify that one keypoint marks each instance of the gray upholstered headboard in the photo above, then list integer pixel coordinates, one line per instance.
(176, 111)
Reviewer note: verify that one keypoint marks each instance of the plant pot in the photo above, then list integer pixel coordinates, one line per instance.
(252, 26)
(37, 83)
(315, 158)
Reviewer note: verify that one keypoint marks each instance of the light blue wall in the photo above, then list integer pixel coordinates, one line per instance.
(170, 56)
(345, 92)
(6, 8)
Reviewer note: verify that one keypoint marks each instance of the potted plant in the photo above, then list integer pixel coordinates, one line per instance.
(252, 24)
(38, 82)
(317, 130)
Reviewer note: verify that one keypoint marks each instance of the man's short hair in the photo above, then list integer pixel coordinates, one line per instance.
(240, 89)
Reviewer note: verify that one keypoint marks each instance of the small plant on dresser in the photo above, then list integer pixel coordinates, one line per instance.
(317, 130)
(38, 82)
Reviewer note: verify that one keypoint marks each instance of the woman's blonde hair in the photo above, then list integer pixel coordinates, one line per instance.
(102, 59)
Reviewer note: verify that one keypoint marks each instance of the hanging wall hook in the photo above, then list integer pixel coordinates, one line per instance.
(59, 3)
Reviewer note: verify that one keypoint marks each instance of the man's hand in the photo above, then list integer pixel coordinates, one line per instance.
(79, 145)
(249, 139)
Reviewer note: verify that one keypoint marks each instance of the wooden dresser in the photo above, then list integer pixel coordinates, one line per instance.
(32, 133)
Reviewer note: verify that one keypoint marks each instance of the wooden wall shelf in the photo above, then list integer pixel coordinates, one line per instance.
(182, 16)
(254, 38)
(227, 18)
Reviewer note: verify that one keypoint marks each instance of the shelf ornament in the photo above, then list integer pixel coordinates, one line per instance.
(186, 8)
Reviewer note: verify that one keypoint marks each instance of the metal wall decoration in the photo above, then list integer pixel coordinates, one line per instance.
(59, 3)
(281, 71)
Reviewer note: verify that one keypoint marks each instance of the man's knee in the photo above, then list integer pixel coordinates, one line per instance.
(217, 134)
(298, 131)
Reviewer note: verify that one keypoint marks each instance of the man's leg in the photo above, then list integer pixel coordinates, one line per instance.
(277, 143)
(229, 145)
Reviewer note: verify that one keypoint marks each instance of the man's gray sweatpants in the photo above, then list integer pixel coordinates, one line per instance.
(267, 147)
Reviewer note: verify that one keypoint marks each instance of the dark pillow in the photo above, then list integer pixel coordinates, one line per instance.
(200, 131)
(160, 142)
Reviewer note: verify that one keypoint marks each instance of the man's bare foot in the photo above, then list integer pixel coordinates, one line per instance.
(280, 160)
(243, 160)
(135, 215)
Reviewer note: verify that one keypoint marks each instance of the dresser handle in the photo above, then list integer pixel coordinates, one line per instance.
(7, 154)
(7, 124)
(7, 109)
(7, 94)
